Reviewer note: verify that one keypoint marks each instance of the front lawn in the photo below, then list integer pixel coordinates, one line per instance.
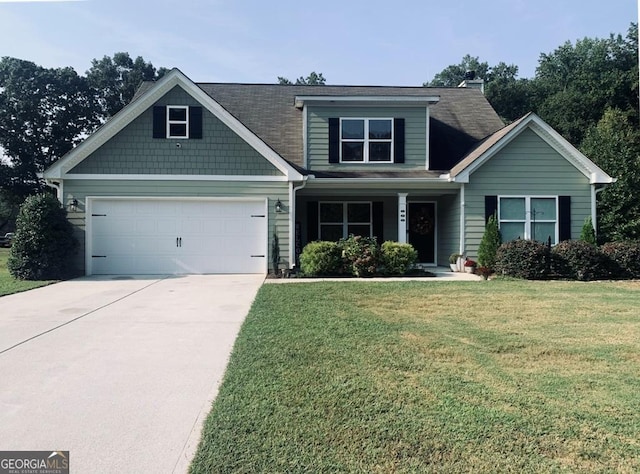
(8, 284)
(431, 376)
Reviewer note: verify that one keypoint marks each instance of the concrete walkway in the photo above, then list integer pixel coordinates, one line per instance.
(118, 371)
(441, 274)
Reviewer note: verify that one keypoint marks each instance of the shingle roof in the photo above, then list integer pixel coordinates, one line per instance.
(461, 118)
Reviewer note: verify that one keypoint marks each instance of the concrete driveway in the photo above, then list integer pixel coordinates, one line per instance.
(120, 371)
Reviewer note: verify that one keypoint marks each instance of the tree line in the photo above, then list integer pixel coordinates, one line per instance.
(587, 91)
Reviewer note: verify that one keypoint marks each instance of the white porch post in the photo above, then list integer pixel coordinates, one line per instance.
(402, 218)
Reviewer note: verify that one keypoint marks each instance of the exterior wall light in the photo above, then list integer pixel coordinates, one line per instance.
(278, 206)
(73, 205)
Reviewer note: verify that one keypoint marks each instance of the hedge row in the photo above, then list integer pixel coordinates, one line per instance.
(572, 259)
(357, 256)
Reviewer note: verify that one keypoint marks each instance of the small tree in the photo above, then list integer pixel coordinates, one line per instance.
(44, 241)
(588, 233)
(489, 244)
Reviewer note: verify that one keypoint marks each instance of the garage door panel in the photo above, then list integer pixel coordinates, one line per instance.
(140, 236)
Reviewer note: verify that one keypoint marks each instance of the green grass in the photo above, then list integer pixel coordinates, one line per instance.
(498, 376)
(8, 284)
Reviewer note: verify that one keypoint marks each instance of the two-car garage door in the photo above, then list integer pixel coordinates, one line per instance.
(158, 236)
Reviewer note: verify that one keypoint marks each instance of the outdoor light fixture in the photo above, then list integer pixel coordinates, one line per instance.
(73, 205)
(278, 206)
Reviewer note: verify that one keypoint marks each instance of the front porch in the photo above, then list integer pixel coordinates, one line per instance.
(427, 217)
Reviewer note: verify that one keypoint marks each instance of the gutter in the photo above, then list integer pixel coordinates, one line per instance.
(292, 219)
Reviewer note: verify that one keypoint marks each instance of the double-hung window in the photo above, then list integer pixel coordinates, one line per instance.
(366, 140)
(340, 219)
(177, 121)
(528, 217)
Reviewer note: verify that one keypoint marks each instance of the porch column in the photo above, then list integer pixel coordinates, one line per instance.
(402, 218)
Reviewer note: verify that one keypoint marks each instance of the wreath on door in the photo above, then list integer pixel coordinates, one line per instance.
(421, 222)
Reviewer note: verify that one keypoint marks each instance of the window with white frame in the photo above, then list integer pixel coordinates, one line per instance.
(177, 121)
(366, 140)
(340, 219)
(528, 217)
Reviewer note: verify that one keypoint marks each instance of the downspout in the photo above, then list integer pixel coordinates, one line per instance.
(462, 219)
(594, 214)
(59, 187)
(292, 219)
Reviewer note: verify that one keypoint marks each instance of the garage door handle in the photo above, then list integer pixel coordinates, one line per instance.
(176, 241)
(180, 240)
(258, 256)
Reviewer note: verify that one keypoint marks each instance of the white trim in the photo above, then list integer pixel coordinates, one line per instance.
(583, 164)
(527, 221)
(427, 133)
(366, 141)
(170, 122)
(405, 100)
(147, 100)
(175, 177)
(402, 218)
(462, 220)
(305, 137)
(89, 200)
(593, 205)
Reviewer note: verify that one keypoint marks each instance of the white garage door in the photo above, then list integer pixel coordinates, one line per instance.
(146, 236)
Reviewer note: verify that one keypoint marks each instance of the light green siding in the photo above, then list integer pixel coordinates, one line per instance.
(526, 166)
(318, 136)
(134, 150)
(278, 222)
(448, 227)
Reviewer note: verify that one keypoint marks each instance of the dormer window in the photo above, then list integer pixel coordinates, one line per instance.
(366, 140)
(177, 121)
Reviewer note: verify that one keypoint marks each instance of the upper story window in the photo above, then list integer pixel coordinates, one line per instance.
(177, 121)
(528, 217)
(366, 140)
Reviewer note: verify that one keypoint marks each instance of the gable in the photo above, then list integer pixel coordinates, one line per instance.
(133, 150)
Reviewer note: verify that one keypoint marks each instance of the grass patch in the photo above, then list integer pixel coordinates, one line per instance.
(497, 376)
(9, 285)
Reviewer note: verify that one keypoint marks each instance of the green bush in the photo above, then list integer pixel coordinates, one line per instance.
(588, 234)
(489, 244)
(44, 243)
(579, 260)
(522, 259)
(623, 258)
(396, 258)
(321, 258)
(361, 255)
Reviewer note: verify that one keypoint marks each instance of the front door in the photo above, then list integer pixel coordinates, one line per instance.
(422, 230)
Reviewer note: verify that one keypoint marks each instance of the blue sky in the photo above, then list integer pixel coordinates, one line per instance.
(350, 42)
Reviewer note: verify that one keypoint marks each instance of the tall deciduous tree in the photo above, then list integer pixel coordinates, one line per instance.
(116, 80)
(614, 144)
(43, 114)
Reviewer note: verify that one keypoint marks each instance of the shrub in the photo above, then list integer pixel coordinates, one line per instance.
(522, 259)
(623, 258)
(44, 241)
(489, 244)
(321, 258)
(361, 255)
(397, 258)
(588, 233)
(579, 260)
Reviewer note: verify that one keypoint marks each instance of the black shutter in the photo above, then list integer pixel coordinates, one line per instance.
(159, 121)
(334, 140)
(564, 217)
(490, 207)
(398, 140)
(312, 221)
(377, 224)
(195, 122)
